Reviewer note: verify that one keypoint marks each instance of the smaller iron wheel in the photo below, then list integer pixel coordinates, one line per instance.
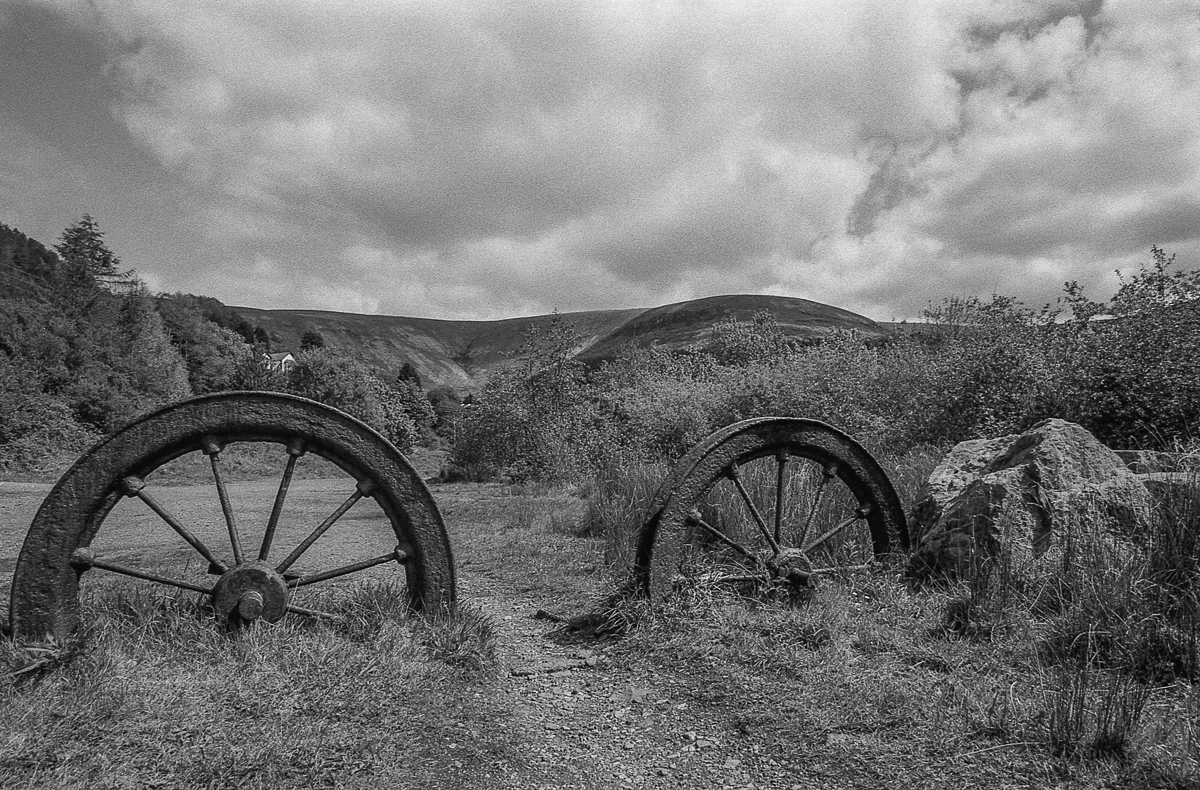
(764, 507)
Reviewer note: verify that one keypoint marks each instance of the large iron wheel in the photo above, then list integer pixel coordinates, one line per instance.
(765, 506)
(245, 571)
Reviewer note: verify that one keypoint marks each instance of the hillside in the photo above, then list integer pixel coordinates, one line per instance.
(460, 353)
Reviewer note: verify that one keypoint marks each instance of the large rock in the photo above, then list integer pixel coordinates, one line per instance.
(1030, 502)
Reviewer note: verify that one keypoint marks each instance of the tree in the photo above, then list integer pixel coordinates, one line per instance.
(88, 259)
(212, 352)
(1136, 356)
(350, 386)
(312, 339)
(738, 343)
(408, 375)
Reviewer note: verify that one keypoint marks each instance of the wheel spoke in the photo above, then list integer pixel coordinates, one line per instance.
(212, 448)
(781, 459)
(859, 515)
(135, 486)
(694, 519)
(295, 450)
(313, 613)
(83, 559)
(828, 472)
(364, 488)
(843, 568)
(720, 578)
(399, 554)
(758, 519)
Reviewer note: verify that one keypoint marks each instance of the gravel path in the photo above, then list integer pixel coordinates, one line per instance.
(591, 714)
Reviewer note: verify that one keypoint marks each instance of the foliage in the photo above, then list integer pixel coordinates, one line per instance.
(312, 339)
(215, 311)
(408, 373)
(212, 353)
(87, 258)
(418, 408)
(348, 385)
(974, 367)
(447, 407)
(79, 355)
(535, 417)
(760, 340)
(33, 426)
(1135, 357)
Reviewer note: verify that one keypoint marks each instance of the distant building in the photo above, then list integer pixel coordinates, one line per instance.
(280, 360)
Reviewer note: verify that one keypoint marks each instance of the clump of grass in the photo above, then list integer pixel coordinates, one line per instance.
(910, 471)
(361, 611)
(463, 638)
(618, 500)
(1093, 713)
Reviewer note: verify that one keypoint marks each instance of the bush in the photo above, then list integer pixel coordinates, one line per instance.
(34, 427)
(348, 385)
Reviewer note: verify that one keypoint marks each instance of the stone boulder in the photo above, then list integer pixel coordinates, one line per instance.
(1030, 502)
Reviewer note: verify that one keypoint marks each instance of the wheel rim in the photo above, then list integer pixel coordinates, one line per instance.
(768, 505)
(242, 565)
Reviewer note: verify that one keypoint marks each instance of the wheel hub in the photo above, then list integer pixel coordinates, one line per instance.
(791, 566)
(251, 591)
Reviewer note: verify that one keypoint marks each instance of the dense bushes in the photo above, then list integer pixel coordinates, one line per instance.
(1125, 369)
(84, 349)
(399, 412)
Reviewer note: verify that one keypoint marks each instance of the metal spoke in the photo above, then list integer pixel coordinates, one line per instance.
(313, 613)
(859, 515)
(212, 448)
(364, 489)
(295, 449)
(85, 560)
(758, 519)
(135, 486)
(695, 519)
(828, 472)
(397, 555)
(841, 568)
(781, 459)
(714, 578)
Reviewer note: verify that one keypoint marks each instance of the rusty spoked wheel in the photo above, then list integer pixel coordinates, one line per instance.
(765, 506)
(248, 548)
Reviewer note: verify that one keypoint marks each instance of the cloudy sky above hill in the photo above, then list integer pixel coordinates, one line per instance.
(474, 159)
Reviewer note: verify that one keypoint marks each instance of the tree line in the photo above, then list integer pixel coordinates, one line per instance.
(85, 348)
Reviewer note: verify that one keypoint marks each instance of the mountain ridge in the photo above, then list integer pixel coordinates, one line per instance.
(460, 353)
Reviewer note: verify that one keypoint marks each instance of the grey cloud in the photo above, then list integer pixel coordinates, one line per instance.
(862, 152)
(892, 183)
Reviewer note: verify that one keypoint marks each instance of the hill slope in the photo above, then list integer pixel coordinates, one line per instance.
(460, 353)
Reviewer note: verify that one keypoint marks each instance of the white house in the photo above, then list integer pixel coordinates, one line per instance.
(280, 360)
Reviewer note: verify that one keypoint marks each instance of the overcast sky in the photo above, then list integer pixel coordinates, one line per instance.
(473, 159)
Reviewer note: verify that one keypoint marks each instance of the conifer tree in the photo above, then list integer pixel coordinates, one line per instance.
(88, 258)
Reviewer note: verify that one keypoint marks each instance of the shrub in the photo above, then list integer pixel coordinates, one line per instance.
(348, 385)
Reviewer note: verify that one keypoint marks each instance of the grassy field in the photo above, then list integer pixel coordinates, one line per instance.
(867, 684)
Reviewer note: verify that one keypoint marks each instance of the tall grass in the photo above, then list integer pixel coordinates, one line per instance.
(158, 697)
(1094, 651)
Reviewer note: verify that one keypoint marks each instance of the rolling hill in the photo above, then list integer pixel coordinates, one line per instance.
(460, 353)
